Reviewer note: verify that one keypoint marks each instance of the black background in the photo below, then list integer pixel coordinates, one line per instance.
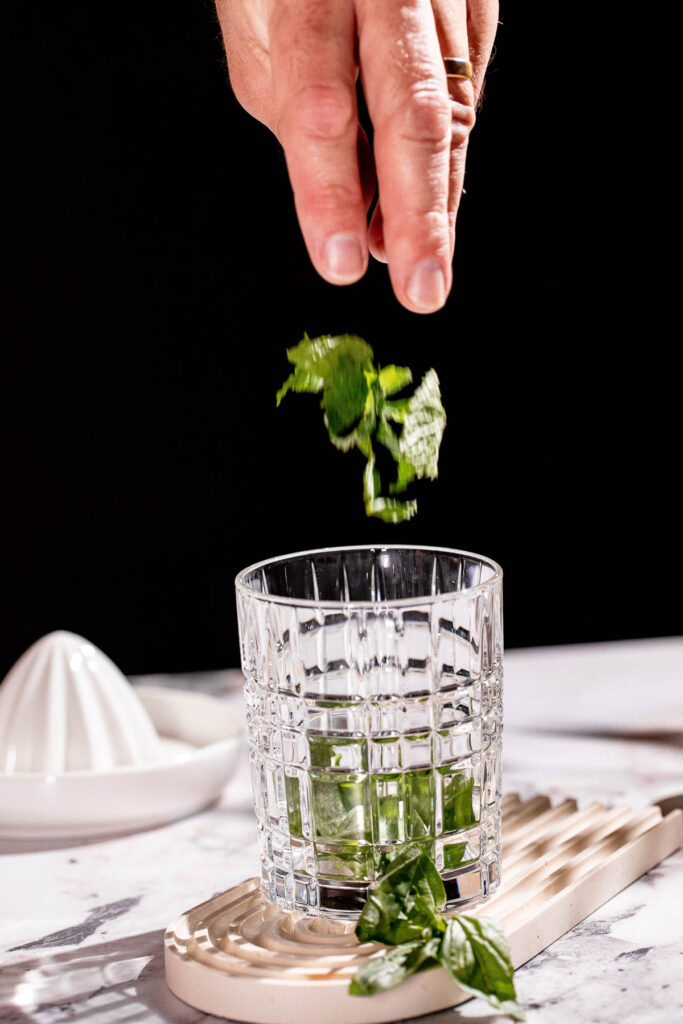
(155, 275)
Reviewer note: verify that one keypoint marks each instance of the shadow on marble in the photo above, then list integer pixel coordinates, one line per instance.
(116, 982)
(122, 982)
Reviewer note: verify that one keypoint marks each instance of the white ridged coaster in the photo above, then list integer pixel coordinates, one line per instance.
(241, 957)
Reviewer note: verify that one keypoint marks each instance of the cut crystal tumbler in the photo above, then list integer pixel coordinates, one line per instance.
(373, 681)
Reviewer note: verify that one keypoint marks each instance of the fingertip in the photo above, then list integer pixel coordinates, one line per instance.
(376, 236)
(378, 254)
(344, 258)
(426, 288)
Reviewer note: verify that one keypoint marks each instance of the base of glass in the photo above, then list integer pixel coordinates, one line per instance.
(344, 901)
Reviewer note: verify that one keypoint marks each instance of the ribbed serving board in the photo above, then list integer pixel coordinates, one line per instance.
(240, 957)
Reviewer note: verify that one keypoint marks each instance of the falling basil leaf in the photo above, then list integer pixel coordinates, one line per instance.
(323, 356)
(359, 412)
(300, 380)
(393, 378)
(345, 397)
(423, 427)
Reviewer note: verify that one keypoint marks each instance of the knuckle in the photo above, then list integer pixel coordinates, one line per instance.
(328, 198)
(432, 226)
(419, 227)
(463, 118)
(321, 111)
(425, 117)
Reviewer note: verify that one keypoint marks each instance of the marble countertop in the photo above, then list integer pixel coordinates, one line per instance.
(81, 927)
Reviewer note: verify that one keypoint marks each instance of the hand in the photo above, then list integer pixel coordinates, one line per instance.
(293, 65)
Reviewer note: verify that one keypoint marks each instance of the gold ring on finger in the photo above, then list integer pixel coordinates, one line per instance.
(457, 68)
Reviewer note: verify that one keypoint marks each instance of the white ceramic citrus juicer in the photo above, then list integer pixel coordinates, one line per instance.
(83, 753)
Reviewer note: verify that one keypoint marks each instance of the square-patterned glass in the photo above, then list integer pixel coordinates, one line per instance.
(373, 681)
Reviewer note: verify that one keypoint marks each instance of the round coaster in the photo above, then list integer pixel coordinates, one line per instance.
(241, 957)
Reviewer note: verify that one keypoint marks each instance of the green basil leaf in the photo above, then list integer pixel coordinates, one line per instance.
(428, 880)
(300, 380)
(423, 427)
(396, 410)
(394, 966)
(344, 398)
(403, 912)
(322, 356)
(359, 438)
(475, 953)
(458, 813)
(322, 751)
(339, 810)
(453, 855)
(371, 481)
(386, 436)
(404, 904)
(390, 510)
(393, 378)
(406, 475)
(358, 412)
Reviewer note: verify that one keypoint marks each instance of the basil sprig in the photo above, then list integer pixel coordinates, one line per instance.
(359, 413)
(402, 912)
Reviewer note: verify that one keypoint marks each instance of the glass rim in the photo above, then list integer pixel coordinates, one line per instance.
(242, 587)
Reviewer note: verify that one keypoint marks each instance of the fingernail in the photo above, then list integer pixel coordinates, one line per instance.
(427, 286)
(344, 257)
